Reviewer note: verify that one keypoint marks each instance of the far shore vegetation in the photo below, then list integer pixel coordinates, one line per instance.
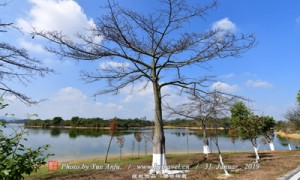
(289, 129)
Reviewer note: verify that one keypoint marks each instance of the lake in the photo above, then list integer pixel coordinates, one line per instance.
(73, 144)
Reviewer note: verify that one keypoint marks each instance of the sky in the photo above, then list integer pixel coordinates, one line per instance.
(267, 74)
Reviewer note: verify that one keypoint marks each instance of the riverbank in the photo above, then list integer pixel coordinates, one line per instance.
(271, 166)
(107, 128)
(287, 135)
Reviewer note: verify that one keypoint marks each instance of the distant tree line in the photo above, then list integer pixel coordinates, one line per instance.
(220, 122)
(292, 125)
(122, 123)
(18, 121)
(88, 122)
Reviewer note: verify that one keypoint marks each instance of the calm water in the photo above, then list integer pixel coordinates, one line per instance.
(69, 144)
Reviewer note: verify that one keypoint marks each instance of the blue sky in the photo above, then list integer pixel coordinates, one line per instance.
(267, 74)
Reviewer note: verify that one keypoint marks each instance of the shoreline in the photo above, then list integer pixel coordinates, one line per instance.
(279, 133)
(287, 135)
(107, 128)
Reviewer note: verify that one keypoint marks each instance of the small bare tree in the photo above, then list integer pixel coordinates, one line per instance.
(210, 106)
(17, 66)
(154, 48)
(220, 108)
(202, 107)
(187, 140)
(138, 137)
(132, 147)
(113, 128)
(120, 141)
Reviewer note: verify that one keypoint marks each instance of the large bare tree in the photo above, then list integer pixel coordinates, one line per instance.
(16, 65)
(156, 48)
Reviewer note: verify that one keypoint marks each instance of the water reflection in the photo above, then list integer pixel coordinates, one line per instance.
(55, 132)
(87, 143)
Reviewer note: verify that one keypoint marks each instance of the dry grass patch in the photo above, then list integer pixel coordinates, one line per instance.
(271, 166)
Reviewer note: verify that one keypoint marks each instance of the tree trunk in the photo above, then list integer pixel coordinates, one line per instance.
(138, 149)
(271, 146)
(146, 141)
(132, 148)
(220, 154)
(253, 141)
(108, 149)
(289, 147)
(221, 162)
(270, 142)
(159, 159)
(187, 141)
(205, 140)
(256, 153)
(120, 154)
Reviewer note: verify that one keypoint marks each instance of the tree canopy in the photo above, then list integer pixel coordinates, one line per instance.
(243, 119)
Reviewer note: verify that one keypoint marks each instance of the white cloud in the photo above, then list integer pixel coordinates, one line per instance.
(230, 75)
(47, 59)
(258, 84)
(70, 93)
(276, 111)
(70, 101)
(9, 98)
(54, 63)
(221, 86)
(114, 106)
(113, 64)
(224, 25)
(65, 16)
(32, 46)
(250, 74)
(141, 92)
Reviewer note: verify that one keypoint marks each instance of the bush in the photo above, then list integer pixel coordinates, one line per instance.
(16, 159)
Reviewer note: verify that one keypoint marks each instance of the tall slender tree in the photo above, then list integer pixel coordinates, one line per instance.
(138, 137)
(113, 128)
(155, 48)
(120, 141)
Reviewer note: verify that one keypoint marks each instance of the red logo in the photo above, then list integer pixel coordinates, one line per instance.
(52, 165)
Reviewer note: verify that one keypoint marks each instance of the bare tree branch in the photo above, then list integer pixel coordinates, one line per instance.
(204, 105)
(17, 65)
